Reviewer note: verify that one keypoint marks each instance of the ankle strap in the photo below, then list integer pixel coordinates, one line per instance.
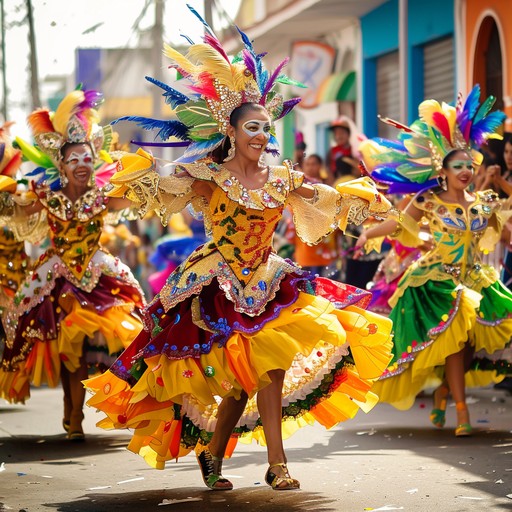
(461, 406)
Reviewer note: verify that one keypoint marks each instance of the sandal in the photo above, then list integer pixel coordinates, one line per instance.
(65, 425)
(464, 428)
(276, 482)
(438, 413)
(211, 469)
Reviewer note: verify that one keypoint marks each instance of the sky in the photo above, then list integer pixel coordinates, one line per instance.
(61, 26)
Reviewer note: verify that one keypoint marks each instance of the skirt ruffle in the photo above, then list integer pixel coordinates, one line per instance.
(330, 357)
(53, 333)
(434, 321)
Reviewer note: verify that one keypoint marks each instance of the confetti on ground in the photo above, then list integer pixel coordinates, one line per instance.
(174, 502)
(469, 498)
(46, 476)
(2, 467)
(385, 507)
(500, 481)
(509, 496)
(412, 491)
(101, 487)
(21, 474)
(130, 480)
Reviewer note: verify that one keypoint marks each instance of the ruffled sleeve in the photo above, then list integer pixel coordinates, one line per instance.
(316, 217)
(350, 203)
(137, 180)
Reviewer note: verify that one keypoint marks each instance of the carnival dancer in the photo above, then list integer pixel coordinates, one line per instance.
(448, 305)
(14, 261)
(235, 323)
(79, 306)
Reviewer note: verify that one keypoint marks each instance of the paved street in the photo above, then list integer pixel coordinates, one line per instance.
(387, 460)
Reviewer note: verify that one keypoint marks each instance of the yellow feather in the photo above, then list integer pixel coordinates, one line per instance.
(451, 115)
(427, 109)
(182, 61)
(66, 109)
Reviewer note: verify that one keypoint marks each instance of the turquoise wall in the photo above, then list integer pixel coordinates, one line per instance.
(427, 21)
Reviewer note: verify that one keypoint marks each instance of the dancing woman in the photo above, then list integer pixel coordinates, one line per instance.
(79, 306)
(240, 342)
(448, 304)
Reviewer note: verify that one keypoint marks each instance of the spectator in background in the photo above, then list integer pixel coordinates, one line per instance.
(340, 160)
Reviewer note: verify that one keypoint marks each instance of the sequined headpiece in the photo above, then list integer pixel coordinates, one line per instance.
(414, 161)
(74, 121)
(217, 86)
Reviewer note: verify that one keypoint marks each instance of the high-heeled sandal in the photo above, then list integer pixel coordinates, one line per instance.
(211, 469)
(438, 413)
(276, 482)
(464, 428)
(65, 425)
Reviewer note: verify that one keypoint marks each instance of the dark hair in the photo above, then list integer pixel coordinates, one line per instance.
(318, 158)
(221, 152)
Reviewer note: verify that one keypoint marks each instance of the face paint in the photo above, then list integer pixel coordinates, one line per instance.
(76, 160)
(459, 165)
(255, 127)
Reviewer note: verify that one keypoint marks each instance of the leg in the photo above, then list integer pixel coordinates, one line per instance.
(270, 409)
(76, 392)
(454, 367)
(68, 406)
(210, 457)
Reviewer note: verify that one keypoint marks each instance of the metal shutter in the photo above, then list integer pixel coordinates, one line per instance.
(388, 92)
(438, 70)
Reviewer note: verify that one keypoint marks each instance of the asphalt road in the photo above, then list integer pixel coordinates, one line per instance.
(385, 460)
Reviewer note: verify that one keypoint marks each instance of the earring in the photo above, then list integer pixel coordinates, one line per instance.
(63, 180)
(231, 150)
(442, 182)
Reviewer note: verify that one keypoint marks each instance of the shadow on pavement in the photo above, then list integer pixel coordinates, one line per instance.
(255, 500)
(52, 449)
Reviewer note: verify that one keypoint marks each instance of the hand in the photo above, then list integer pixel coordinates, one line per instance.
(359, 247)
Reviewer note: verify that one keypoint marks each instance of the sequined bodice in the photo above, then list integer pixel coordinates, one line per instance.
(242, 235)
(456, 233)
(75, 229)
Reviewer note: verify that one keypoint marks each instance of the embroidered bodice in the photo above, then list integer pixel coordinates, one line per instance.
(75, 228)
(457, 234)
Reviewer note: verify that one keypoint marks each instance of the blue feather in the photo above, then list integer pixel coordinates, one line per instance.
(172, 96)
(166, 128)
(199, 150)
(200, 18)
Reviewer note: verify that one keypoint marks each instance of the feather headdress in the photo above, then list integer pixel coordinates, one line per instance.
(217, 86)
(74, 121)
(414, 161)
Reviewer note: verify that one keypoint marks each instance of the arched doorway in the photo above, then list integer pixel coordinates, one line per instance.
(488, 68)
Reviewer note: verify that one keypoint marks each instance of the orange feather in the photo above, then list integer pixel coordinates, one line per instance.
(40, 122)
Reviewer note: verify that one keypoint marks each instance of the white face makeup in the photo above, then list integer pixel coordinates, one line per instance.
(457, 166)
(75, 160)
(255, 127)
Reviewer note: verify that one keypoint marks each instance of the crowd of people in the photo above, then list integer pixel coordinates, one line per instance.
(254, 315)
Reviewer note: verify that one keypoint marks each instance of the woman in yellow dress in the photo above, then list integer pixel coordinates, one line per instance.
(79, 307)
(240, 342)
(449, 305)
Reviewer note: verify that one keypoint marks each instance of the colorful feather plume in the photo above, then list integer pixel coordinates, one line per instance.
(413, 162)
(217, 85)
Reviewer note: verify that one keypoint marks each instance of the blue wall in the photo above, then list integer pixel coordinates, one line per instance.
(427, 21)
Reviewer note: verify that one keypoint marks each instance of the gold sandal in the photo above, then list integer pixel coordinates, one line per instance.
(276, 482)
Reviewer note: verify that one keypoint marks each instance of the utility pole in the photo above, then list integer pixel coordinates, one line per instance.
(34, 75)
(4, 64)
(158, 37)
(208, 12)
